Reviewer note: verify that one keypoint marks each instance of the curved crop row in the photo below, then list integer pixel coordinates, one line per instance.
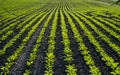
(12, 41)
(50, 57)
(105, 28)
(113, 22)
(12, 58)
(107, 40)
(84, 50)
(33, 53)
(70, 68)
(10, 31)
(5, 36)
(111, 25)
(10, 21)
(109, 61)
(2, 20)
(21, 25)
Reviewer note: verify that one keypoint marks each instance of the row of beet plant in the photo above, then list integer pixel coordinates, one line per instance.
(11, 60)
(84, 50)
(68, 55)
(109, 24)
(9, 25)
(12, 41)
(33, 53)
(5, 36)
(10, 20)
(30, 17)
(114, 46)
(113, 22)
(106, 18)
(50, 57)
(2, 19)
(16, 23)
(109, 61)
(105, 28)
(10, 31)
(18, 27)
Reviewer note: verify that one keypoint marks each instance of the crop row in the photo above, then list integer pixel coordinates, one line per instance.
(84, 50)
(109, 60)
(73, 25)
(13, 57)
(37, 45)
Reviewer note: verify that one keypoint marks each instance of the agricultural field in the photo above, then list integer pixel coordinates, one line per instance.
(59, 37)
